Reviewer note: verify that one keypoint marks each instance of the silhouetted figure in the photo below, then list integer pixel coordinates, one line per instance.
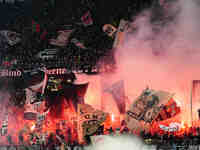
(21, 139)
(9, 139)
(198, 113)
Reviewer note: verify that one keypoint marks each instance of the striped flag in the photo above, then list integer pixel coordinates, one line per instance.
(35, 26)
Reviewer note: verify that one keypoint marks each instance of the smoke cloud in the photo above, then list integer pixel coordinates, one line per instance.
(160, 50)
(163, 51)
(120, 142)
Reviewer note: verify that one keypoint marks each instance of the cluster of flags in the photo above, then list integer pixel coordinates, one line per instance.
(151, 105)
(63, 35)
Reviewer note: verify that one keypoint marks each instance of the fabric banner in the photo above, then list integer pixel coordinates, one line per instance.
(62, 38)
(33, 96)
(87, 19)
(146, 108)
(118, 92)
(119, 39)
(90, 120)
(78, 43)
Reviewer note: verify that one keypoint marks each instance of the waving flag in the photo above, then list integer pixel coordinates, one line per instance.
(146, 109)
(62, 38)
(34, 94)
(87, 19)
(110, 30)
(89, 120)
(118, 93)
(35, 26)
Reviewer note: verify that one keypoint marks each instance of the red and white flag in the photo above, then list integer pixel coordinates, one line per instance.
(87, 19)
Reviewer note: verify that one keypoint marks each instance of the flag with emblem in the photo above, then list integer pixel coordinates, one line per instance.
(146, 109)
(89, 120)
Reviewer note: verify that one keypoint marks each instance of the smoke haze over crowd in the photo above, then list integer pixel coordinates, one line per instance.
(161, 50)
(163, 53)
(120, 142)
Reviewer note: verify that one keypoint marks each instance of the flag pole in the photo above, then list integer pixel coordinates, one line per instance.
(191, 104)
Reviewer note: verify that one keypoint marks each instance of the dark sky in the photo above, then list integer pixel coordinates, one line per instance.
(103, 10)
(9, 12)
